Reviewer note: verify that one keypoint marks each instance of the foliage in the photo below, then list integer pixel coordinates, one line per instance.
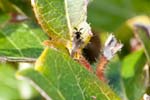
(66, 75)
(12, 88)
(56, 75)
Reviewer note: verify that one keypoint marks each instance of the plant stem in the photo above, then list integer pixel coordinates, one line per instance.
(85, 63)
(101, 67)
(17, 59)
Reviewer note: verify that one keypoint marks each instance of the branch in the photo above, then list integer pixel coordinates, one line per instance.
(16, 59)
(85, 63)
(112, 46)
(82, 60)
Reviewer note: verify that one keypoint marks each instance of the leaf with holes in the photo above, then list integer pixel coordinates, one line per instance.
(61, 78)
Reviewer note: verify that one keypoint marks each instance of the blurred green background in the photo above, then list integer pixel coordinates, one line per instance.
(108, 15)
(104, 16)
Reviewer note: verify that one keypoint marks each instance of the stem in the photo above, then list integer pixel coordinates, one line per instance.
(101, 67)
(82, 60)
(112, 46)
(85, 63)
(17, 59)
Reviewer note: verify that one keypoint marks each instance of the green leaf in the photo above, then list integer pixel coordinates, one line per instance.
(6, 6)
(11, 88)
(144, 35)
(4, 19)
(21, 40)
(132, 74)
(8, 83)
(127, 31)
(59, 17)
(129, 64)
(22, 7)
(61, 78)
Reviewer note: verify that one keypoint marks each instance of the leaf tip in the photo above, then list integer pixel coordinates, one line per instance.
(146, 28)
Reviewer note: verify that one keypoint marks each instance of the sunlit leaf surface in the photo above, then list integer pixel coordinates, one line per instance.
(21, 40)
(64, 79)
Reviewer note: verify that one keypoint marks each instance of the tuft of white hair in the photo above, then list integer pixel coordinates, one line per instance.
(112, 46)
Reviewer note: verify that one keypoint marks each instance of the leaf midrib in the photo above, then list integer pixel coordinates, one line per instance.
(67, 16)
(10, 41)
(31, 32)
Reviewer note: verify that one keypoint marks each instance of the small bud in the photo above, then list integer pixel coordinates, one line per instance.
(112, 46)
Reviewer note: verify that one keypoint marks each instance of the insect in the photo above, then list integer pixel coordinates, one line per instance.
(78, 33)
(77, 40)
